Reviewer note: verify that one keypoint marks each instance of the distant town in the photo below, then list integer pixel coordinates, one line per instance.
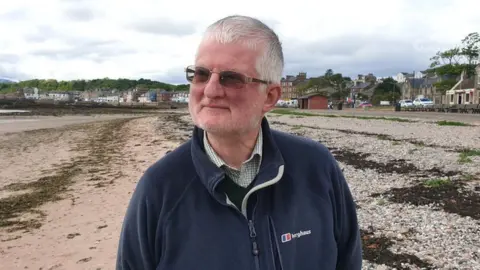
(368, 87)
(114, 96)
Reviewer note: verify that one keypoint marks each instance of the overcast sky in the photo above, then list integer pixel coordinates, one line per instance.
(156, 39)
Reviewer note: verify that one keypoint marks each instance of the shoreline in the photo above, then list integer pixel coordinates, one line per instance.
(10, 125)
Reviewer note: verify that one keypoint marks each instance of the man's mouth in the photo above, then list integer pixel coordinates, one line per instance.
(212, 106)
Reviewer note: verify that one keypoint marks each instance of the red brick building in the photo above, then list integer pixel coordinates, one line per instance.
(314, 101)
(290, 83)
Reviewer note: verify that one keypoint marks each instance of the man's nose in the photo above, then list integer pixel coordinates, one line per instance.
(214, 89)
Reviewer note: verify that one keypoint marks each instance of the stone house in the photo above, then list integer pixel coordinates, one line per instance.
(466, 90)
(423, 87)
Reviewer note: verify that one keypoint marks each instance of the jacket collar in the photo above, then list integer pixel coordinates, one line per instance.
(210, 175)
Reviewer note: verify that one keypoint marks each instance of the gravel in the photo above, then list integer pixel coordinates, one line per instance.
(423, 131)
(378, 156)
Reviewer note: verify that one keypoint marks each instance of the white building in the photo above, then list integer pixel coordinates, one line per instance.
(31, 93)
(108, 99)
(403, 76)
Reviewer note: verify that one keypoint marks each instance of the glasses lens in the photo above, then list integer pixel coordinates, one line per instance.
(197, 74)
(190, 73)
(232, 79)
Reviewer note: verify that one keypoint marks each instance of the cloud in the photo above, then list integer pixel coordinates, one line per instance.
(72, 39)
(175, 76)
(163, 26)
(359, 54)
(97, 51)
(81, 14)
(11, 72)
(40, 33)
(8, 58)
(13, 15)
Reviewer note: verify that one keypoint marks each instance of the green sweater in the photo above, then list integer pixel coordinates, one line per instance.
(234, 192)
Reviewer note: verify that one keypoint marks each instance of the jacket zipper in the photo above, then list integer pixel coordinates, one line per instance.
(253, 238)
(251, 225)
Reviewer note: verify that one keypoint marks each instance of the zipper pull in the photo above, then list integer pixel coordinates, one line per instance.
(253, 233)
(255, 250)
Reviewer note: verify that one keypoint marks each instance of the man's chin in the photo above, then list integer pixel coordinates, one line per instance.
(220, 124)
(214, 127)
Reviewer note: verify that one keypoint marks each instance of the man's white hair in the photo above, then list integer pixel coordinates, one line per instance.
(256, 35)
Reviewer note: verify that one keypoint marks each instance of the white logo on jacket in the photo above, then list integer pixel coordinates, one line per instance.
(287, 237)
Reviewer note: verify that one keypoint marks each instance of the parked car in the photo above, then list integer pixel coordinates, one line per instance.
(287, 103)
(406, 103)
(281, 103)
(292, 103)
(422, 102)
(364, 104)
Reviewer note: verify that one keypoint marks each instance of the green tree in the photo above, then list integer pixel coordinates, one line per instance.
(7, 87)
(79, 85)
(65, 86)
(330, 79)
(451, 63)
(181, 87)
(448, 57)
(338, 82)
(445, 85)
(388, 90)
(314, 85)
(471, 47)
(121, 84)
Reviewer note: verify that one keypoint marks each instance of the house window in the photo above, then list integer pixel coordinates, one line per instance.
(467, 97)
(451, 98)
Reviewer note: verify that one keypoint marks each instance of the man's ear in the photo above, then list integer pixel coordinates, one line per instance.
(274, 92)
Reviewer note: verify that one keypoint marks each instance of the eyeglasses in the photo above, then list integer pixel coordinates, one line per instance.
(230, 79)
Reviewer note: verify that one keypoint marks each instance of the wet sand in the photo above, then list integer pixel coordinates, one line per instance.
(11, 124)
(64, 190)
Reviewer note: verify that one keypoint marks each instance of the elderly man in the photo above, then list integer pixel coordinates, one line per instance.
(239, 195)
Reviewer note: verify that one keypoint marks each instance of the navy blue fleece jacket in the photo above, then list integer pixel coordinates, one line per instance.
(300, 214)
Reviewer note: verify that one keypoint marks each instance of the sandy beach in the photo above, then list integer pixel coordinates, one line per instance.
(64, 190)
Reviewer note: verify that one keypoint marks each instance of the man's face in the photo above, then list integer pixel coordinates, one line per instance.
(221, 109)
